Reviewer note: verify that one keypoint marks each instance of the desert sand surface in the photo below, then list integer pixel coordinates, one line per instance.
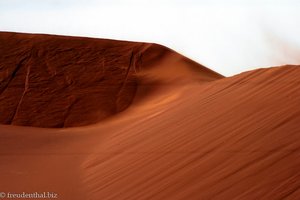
(104, 119)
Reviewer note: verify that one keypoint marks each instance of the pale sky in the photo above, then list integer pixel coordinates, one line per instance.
(228, 36)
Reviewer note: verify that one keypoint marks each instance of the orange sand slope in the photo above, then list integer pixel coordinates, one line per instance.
(186, 132)
(55, 81)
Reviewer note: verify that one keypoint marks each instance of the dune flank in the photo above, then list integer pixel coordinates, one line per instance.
(55, 81)
(160, 126)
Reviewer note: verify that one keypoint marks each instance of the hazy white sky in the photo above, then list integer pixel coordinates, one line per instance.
(228, 36)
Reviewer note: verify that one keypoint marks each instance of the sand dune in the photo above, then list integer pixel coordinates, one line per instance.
(54, 81)
(160, 126)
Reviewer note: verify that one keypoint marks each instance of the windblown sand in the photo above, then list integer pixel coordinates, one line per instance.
(113, 120)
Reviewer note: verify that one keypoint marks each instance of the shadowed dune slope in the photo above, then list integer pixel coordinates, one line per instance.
(55, 81)
(188, 134)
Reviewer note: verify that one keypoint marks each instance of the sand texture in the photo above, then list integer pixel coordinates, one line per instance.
(114, 120)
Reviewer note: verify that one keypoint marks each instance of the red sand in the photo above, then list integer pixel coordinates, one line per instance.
(55, 81)
(185, 132)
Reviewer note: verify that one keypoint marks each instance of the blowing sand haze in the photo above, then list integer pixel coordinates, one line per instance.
(104, 119)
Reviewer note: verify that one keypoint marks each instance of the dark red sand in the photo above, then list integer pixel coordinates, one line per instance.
(160, 125)
(55, 81)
